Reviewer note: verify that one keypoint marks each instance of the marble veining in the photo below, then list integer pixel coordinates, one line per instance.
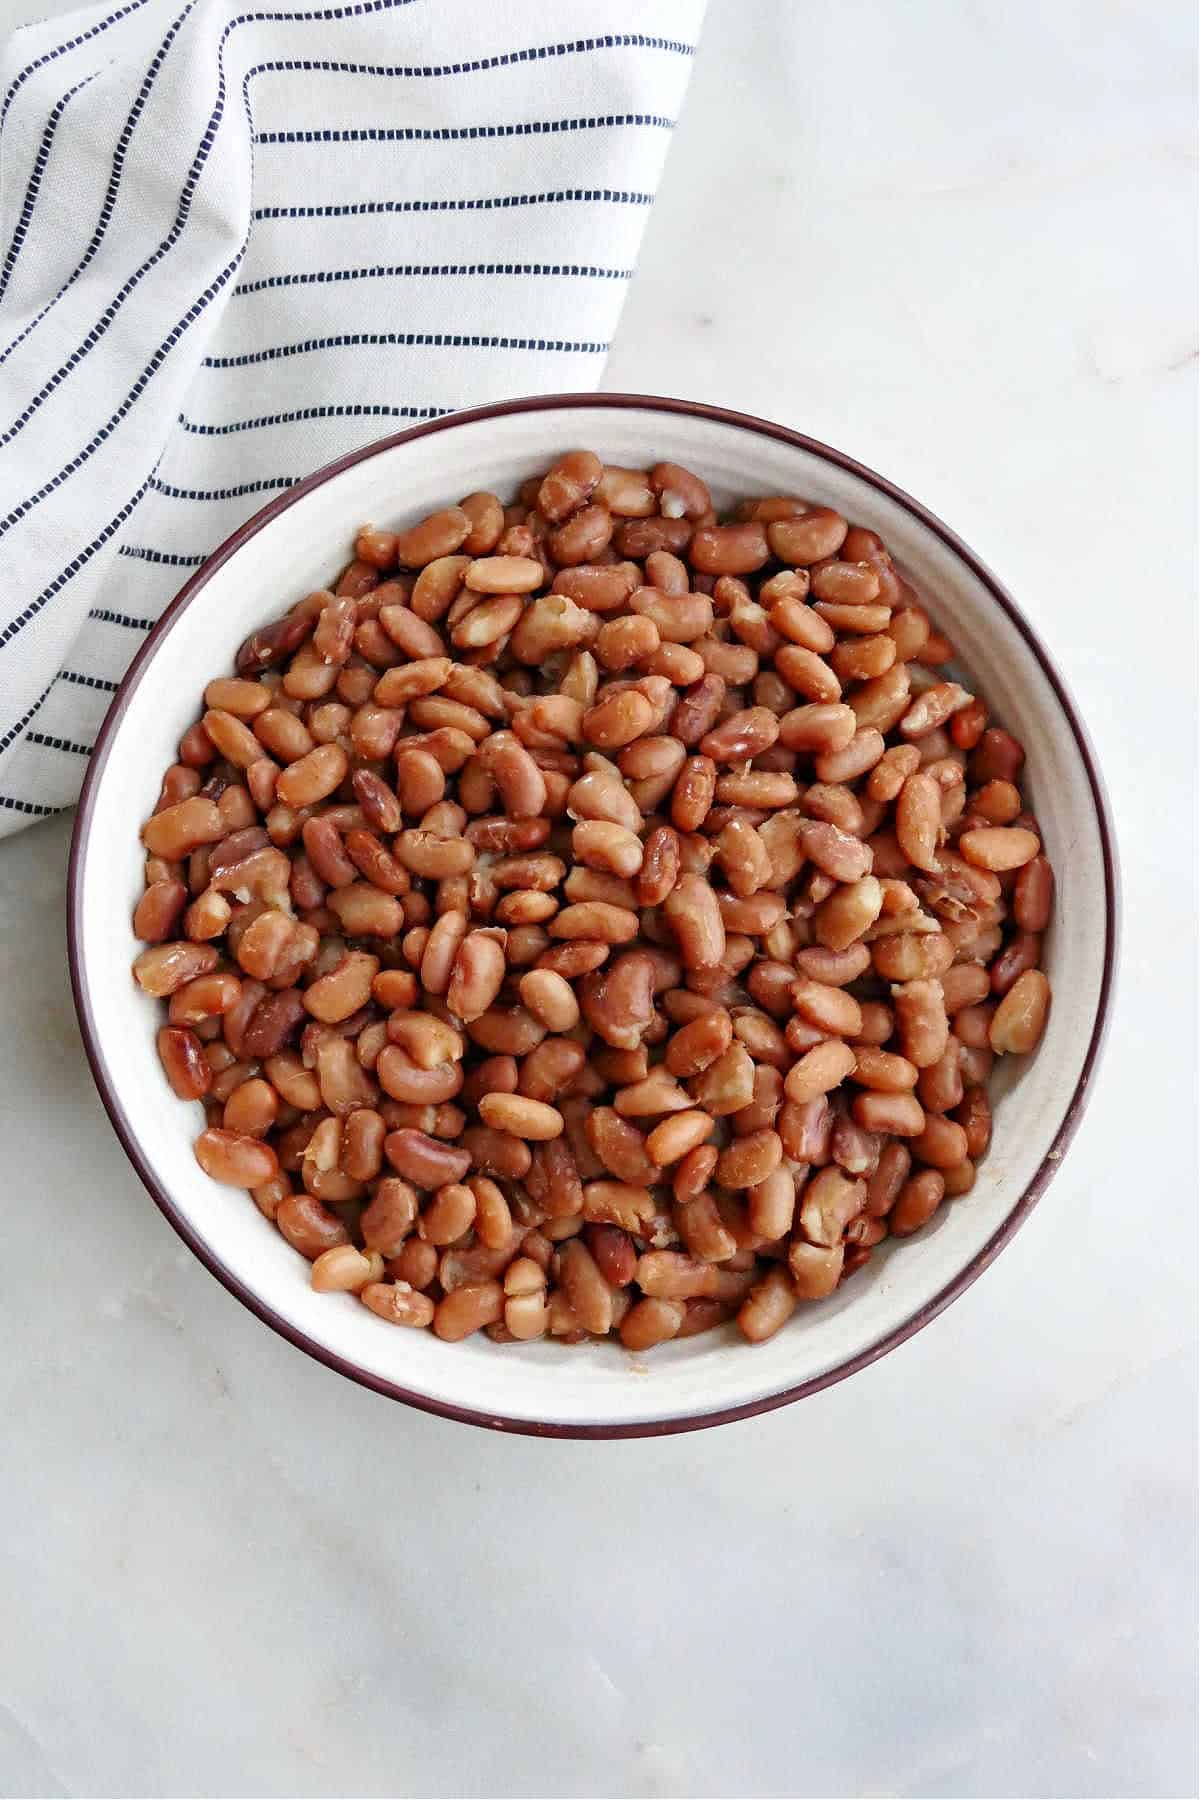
(958, 243)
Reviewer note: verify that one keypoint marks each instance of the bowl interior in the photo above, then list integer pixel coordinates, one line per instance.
(600, 1385)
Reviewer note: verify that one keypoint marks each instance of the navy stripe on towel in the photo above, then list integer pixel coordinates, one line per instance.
(106, 617)
(171, 558)
(40, 62)
(14, 731)
(269, 484)
(627, 40)
(30, 807)
(353, 209)
(57, 743)
(72, 569)
(349, 411)
(430, 134)
(35, 180)
(318, 277)
(443, 340)
(114, 181)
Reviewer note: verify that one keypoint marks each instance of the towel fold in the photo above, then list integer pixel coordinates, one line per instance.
(237, 241)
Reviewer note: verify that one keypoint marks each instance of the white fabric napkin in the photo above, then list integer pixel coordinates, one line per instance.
(237, 241)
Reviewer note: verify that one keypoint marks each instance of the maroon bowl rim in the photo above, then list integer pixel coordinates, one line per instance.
(124, 1127)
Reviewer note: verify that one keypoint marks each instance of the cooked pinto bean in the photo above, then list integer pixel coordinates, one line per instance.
(698, 910)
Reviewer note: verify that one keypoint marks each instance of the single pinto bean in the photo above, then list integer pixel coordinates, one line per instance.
(918, 819)
(314, 776)
(406, 1080)
(680, 493)
(848, 912)
(235, 1159)
(1033, 895)
(697, 710)
(583, 537)
(677, 618)
(828, 1203)
(1024, 952)
(942, 1143)
(749, 1160)
(309, 1226)
(819, 1070)
(974, 1114)
(449, 1215)
(182, 1056)
(693, 794)
(617, 720)
(830, 1009)
(232, 739)
(818, 534)
(692, 912)
(966, 984)
(697, 1045)
(390, 1217)
(178, 830)
(848, 583)
(912, 956)
(916, 1203)
(677, 1136)
(468, 1309)
(522, 1117)
(997, 756)
(504, 575)
(771, 1205)
(438, 535)
(477, 975)
(165, 968)
(861, 753)
(887, 1178)
(768, 1307)
(900, 1114)
(206, 997)
(651, 1321)
(999, 847)
(1021, 1016)
(424, 1161)
(344, 1270)
(620, 1147)
(569, 485)
(487, 522)
(586, 1290)
(940, 1087)
(602, 845)
(668, 1275)
(397, 1302)
(815, 1270)
(921, 1021)
(840, 855)
(596, 920)
(157, 913)
(346, 988)
(742, 736)
(728, 549)
(822, 727)
(550, 998)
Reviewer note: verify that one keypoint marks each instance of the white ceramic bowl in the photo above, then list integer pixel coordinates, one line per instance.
(294, 545)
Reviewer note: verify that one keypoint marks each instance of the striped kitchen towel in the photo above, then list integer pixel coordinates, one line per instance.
(237, 241)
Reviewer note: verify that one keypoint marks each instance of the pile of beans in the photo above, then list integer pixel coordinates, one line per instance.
(588, 916)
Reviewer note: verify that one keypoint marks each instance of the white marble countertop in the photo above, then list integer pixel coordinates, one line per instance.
(957, 242)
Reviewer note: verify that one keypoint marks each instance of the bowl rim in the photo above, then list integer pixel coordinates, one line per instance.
(124, 1126)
